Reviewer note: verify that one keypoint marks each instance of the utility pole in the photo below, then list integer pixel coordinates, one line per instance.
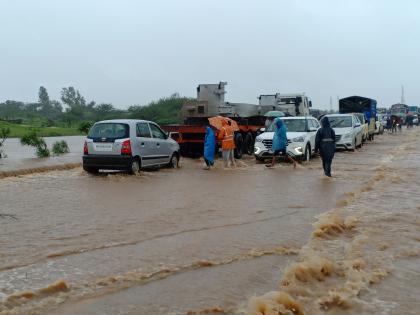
(402, 95)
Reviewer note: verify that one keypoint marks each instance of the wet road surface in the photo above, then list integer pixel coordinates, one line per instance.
(189, 241)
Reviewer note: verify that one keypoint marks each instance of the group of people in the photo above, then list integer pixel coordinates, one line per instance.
(392, 123)
(324, 144)
(227, 136)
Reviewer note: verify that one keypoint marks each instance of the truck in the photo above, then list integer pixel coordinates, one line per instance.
(211, 102)
(400, 111)
(359, 104)
(292, 104)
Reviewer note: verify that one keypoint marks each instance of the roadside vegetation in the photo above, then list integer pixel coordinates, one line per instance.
(33, 140)
(73, 115)
(4, 133)
(60, 147)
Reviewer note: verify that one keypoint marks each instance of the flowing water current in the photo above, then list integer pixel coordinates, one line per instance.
(249, 240)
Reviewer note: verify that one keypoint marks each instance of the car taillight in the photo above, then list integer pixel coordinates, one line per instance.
(85, 149)
(126, 147)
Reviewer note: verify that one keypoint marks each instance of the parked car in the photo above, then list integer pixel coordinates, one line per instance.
(364, 125)
(348, 131)
(125, 144)
(301, 132)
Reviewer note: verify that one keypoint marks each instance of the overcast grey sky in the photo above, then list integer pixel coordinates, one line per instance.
(131, 52)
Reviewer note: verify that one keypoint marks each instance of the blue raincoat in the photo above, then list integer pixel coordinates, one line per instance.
(209, 145)
(279, 138)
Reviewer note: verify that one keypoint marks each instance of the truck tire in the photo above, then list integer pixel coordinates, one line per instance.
(248, 146)
(239, 140)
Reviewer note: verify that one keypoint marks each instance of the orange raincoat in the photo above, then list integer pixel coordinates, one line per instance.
(226, 134)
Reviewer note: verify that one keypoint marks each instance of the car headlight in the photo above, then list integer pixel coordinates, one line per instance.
(299, 139)
(347, 136)
(258, 139)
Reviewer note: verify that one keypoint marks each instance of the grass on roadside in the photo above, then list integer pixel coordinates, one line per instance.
(19, 130)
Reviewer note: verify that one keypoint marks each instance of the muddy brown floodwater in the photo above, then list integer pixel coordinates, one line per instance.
(244, 241)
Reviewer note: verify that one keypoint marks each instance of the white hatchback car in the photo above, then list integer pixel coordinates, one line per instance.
(301, 132)
(348, 131)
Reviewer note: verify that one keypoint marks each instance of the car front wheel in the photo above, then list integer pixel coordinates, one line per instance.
(174, 163)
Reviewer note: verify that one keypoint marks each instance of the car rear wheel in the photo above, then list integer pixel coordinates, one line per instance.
(134, 166)
(174, 163)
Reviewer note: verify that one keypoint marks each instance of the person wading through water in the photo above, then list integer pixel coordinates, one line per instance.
(226, 134)
(280, 143)
(209, 148)
(325, 145)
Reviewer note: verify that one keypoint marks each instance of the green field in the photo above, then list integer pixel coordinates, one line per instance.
(18, 130)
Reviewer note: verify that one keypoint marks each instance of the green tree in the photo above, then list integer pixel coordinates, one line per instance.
(43, 97)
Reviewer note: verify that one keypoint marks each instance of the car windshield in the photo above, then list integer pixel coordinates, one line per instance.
(109, 131)
(292, 125)
(340, 121)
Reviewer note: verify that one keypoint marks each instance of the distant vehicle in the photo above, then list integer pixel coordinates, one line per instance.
(364, 105)
(301, 132)
(379, 127)
(292, 104)
(348, 132)
(400, 111)
(416, 120)
(125, 144)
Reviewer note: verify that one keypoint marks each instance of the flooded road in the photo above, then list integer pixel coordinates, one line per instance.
(189, 241)
(23, 157)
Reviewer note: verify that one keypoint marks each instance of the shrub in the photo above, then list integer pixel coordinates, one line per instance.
(85, 126)
(60, 147)
(32, 139)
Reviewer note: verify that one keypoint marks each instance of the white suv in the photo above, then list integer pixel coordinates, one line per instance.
(348, 131)
(301, 132)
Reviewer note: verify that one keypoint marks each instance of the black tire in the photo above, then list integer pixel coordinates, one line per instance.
(238, 144)
(307, 154)
(134, 167)
(174, 162)
(249, 144)
(91, 170)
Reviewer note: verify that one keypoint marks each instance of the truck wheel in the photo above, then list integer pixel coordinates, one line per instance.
(249, 144)
(238, 144)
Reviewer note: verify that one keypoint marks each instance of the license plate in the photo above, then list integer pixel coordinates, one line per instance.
(103, 147)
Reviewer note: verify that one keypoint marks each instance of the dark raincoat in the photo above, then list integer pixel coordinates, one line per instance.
(325, 140)
(209, 145)
(280, 136)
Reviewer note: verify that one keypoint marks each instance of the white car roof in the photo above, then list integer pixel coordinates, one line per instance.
(124, 121)
(338, 115)
(296, 117)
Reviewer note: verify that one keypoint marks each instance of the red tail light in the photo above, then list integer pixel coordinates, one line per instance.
(85, 149)
(126, 147)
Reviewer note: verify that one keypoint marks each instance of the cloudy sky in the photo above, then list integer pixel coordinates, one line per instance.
(132, 51)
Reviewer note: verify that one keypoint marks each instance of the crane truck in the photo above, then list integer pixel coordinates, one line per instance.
(211, 102)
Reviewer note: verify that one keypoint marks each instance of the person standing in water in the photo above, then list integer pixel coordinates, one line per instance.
(280, 143)
(325, 145)
(227, 134)
(209, 147)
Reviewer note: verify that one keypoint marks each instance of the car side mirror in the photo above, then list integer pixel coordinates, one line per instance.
(357, 125)
(312, 129)
(262, 129)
